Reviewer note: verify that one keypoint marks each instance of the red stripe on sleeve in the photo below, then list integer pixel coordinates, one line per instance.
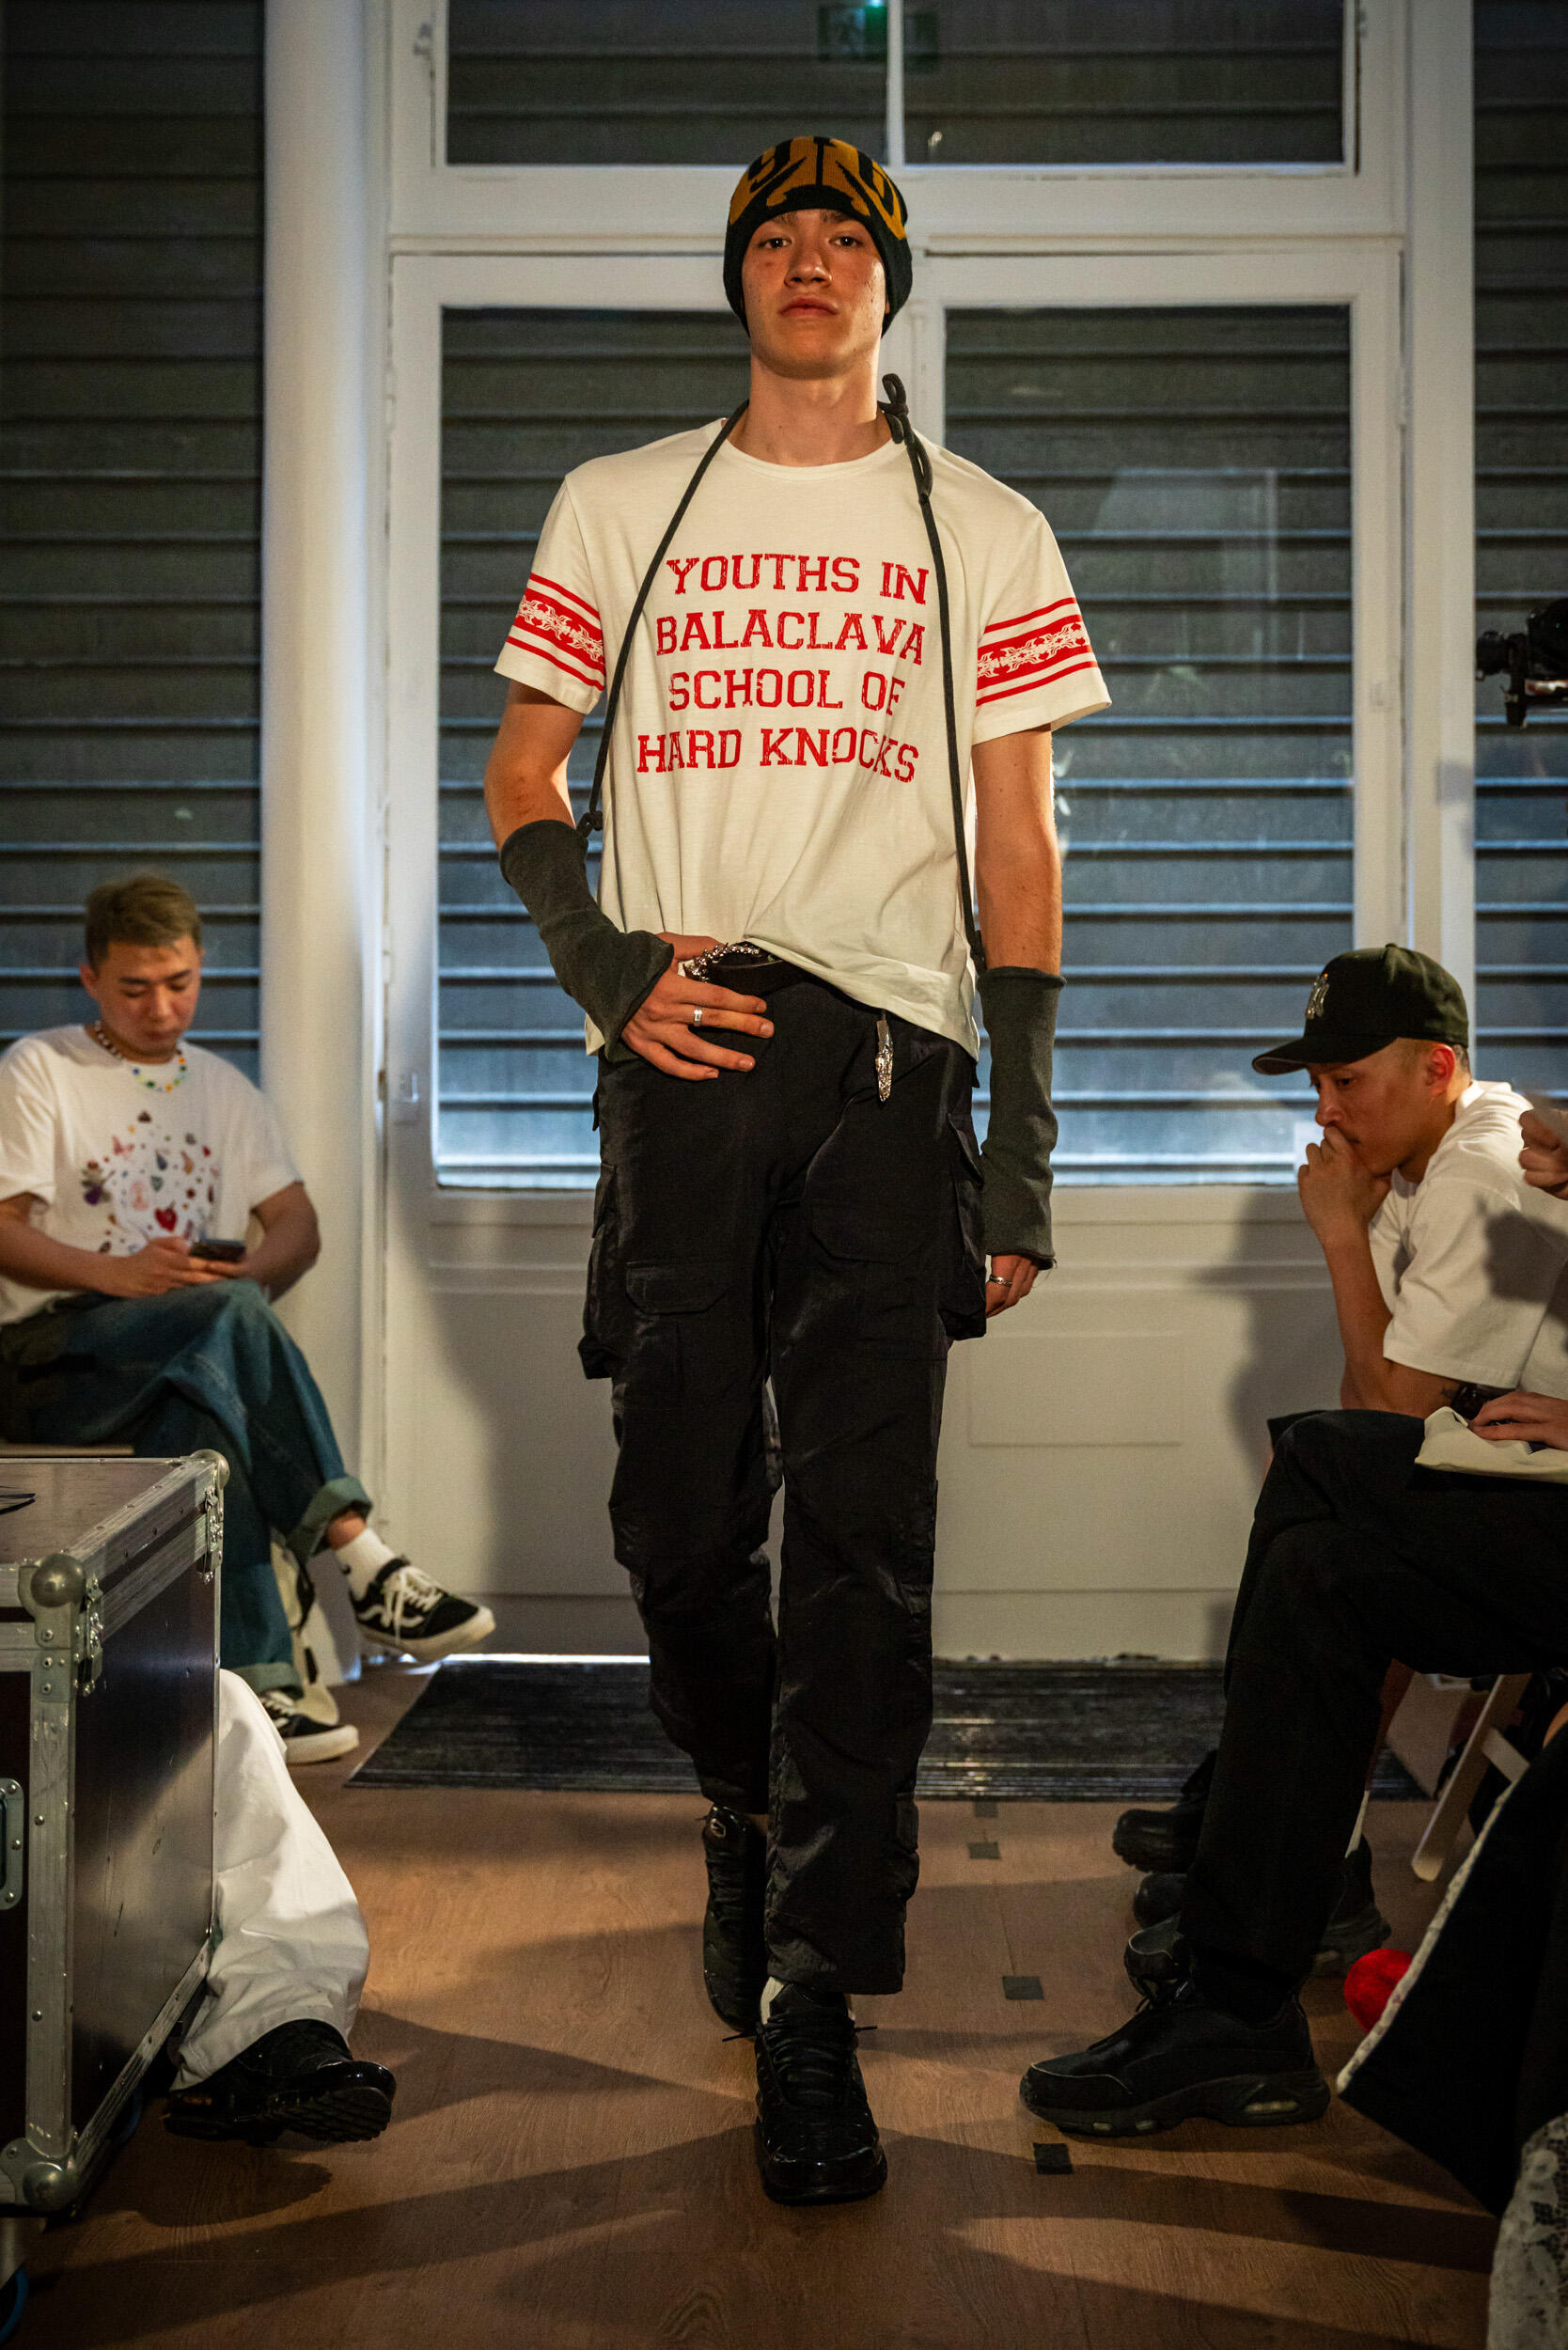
(1032, 684)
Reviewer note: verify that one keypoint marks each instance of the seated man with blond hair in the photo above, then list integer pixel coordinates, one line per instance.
(134, 1310)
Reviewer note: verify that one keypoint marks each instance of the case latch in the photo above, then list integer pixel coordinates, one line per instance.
(13, 1842)
(89, 1638)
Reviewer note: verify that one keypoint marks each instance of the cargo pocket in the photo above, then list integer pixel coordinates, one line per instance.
(602, 1345)
(668, 1337)
(963, 1288)
(884, 1267)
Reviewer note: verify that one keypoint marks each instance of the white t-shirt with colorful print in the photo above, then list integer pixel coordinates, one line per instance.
(115, 1163)
(780, 771)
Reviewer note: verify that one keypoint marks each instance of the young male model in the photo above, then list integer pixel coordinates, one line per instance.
(790, 1189)
(123, 1152)
(1449, 1271)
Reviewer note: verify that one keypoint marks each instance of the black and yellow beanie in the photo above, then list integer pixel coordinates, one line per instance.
(819, 174)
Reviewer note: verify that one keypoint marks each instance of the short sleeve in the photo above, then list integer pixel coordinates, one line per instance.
(1036, 667)
(555, 643)
(29, 1126)
(260, 1150)
(1473, 1296)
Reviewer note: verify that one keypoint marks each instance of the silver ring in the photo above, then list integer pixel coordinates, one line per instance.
(697, 1016)
(1005, 1280)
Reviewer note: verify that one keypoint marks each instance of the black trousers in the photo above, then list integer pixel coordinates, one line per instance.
(787, 1224)
(1358, 1557)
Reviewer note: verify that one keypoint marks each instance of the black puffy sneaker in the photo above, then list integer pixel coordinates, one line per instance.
(301, 2077)
(816, 2141)
(1179, 2061)
(1355, 1927)
(1168, 1839)
(734, 1949)
(403, 1612)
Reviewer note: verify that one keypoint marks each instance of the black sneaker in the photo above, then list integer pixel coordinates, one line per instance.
(305, 1739)
(301, 2077)
(734, 1949)
(402, 1611)
(1355, 1927)
(1167, 1839)
(1179, 2061)
(816, 2141)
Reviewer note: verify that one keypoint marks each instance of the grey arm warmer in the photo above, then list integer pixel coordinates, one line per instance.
(608, 971)
(1020, 1007)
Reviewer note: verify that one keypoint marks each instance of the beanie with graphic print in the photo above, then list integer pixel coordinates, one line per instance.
(819, 174)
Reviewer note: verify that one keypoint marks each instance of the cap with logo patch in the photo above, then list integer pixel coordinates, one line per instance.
(1363, 1000)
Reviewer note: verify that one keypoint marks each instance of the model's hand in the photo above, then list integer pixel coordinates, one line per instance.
(153, 1271)
(661, 1027)
(1545, 1156)
(1524, 1418)
(1012, 1278)
(1337, 1194)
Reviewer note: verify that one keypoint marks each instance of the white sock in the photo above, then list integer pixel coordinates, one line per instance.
(363, 1560)
(770, 1990)
(1360, 1823)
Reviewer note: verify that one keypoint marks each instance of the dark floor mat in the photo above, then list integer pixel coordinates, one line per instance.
(1057, 1733)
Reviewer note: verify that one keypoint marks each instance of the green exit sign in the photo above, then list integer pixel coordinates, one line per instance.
(858, 36)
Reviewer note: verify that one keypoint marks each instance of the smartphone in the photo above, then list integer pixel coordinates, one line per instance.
(219, 1251)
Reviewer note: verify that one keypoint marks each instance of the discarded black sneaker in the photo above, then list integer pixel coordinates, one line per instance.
(1356, 1926)
(300, 2077)
(1166, 1839)
(734, 1951)
(1178, 2060)
(816, 2141)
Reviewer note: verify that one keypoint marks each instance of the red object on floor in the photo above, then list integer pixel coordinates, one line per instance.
(1370, 1984)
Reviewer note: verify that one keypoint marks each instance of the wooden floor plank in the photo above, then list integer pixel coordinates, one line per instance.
(570, 2165)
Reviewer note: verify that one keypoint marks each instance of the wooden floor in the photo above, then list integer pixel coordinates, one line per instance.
(570, 2161)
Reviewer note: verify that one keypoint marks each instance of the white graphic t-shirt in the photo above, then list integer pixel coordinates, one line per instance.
(114, 1164)
(1473, 1261)
(780, 771)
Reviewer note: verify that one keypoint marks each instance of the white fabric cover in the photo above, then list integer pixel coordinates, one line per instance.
(291, 1939)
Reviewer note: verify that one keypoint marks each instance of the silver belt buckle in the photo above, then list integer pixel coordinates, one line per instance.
(742, 949)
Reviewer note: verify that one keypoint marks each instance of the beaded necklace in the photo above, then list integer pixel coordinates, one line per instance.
(99, 1035)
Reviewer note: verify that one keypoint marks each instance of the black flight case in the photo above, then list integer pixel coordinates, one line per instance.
(109, 1579)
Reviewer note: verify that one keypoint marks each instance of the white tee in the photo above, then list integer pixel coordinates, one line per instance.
(1473, 1261)
(114, 1164)
(780, 771)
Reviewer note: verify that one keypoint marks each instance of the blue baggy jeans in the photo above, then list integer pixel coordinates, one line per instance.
(205, 1367)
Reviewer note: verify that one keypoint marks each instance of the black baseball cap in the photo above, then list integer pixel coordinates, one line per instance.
(1363, 1000)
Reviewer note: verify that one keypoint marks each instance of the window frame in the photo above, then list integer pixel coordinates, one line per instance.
(971, 208)
(1361, 277)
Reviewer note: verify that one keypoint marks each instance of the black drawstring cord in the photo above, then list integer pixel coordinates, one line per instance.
(896, 409)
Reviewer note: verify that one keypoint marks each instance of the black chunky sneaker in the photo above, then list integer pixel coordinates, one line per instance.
(403, 1613)
(816, 2141)
(734, 1950)
(301, 2077)
(1167, 1839)
(1180, 2060)
(305, 1739)
(1355, 1927)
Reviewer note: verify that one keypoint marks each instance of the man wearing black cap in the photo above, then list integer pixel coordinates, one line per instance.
(813, 629)
(1449, 1272)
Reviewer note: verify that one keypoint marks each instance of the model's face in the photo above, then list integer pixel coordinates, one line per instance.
(1385, 1104)
(146, 995)
(815, 292)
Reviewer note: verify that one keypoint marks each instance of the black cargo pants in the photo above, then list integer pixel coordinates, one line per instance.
(787, 1224)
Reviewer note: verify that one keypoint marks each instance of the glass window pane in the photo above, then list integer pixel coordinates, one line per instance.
(1522, 533)
(526, 395)
(1195, 464)
(1125, 81)
(707, 81)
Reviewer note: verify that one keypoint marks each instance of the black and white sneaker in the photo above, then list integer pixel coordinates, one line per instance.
(405, 1613)
(301, 2077)
(816, 2141)
(1180, 2060)
(734, 1944)
(305, 1739)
